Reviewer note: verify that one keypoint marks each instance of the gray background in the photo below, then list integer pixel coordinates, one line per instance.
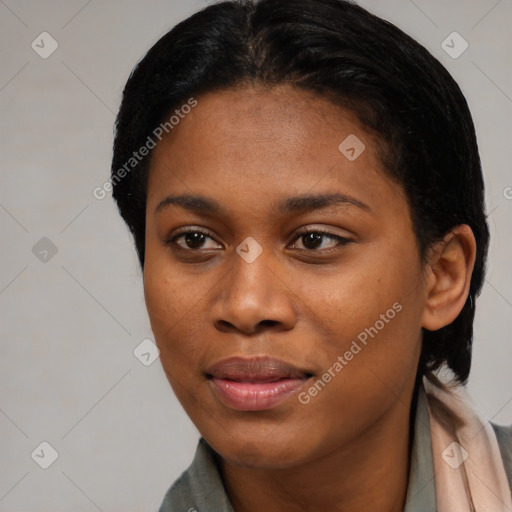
(69, 324)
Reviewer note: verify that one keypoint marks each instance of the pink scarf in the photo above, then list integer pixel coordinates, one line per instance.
(468, 468)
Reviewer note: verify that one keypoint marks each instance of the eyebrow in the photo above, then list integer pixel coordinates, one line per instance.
(306, 203)
(296, 204)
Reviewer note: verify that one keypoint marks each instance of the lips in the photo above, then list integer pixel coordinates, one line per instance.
(255, 384)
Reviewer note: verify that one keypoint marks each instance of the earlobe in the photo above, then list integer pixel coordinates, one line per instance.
(450, 266)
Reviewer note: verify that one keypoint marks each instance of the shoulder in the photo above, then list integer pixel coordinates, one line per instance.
(504, 438)
(200, 487)
(179, 496)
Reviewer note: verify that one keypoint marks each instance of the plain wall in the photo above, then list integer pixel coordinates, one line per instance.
(69, 325)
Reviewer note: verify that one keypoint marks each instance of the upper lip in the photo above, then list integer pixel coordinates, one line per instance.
(255, 369)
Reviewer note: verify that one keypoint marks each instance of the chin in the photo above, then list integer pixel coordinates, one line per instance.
(260, 452)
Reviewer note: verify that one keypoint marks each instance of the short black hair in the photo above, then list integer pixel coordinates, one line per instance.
(398, 90)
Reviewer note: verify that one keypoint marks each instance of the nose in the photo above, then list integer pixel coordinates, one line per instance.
(253, 297)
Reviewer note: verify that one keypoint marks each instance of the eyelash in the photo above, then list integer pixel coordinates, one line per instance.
(342, 241)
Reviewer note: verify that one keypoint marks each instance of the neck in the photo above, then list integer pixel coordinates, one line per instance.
(369, 473)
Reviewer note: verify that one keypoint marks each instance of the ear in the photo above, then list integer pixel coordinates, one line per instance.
(448, 276)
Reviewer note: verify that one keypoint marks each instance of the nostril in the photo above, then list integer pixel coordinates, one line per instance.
(269, 323)
(224, 326)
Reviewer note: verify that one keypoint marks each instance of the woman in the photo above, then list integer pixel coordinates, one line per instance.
(303, 185)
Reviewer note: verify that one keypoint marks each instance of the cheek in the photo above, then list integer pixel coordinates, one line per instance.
(168, 292)
(357, 294)
(173, 309)
(372, 309)
(177, 335)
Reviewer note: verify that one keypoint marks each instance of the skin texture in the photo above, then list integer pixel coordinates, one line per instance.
(249, 149)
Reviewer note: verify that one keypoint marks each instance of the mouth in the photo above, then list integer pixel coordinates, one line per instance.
(255, 384)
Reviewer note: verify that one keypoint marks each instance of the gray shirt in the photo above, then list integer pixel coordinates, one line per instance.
(200, 487)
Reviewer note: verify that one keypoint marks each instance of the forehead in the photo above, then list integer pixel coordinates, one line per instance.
(263, 143)
(282, 115)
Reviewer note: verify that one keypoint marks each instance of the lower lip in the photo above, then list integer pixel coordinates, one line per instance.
(255, 396)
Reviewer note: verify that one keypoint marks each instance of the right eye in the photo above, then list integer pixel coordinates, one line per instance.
(192, 240)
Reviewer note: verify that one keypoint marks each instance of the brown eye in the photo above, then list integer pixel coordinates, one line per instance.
(192, 240)
(313, 240)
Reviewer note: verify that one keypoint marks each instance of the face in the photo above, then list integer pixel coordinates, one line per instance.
(286, 298)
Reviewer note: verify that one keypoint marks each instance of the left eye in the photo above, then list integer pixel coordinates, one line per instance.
(313, 240)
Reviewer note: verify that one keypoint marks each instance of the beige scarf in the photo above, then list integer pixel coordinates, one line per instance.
(469, 471)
